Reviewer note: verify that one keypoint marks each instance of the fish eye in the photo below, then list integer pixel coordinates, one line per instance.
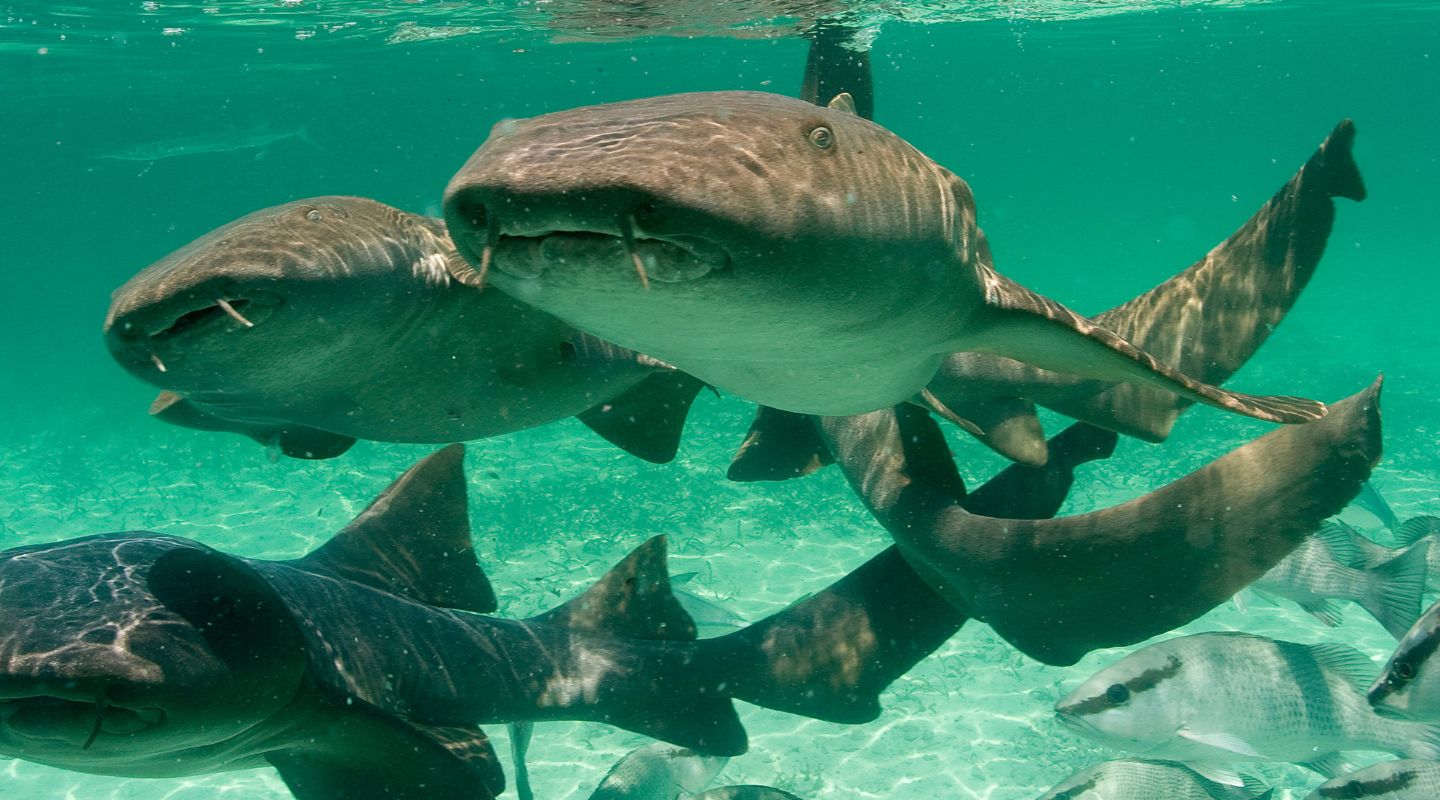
(1354, 789)
(1404, 670)
(821, 137)
(1118, 694)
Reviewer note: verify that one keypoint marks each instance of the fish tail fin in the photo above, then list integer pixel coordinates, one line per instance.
(1416, 528)
(1424, 742)
(830, 655)
(687, 705)
(1395, 588)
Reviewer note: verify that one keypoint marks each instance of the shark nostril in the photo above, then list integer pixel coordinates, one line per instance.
(472, 213)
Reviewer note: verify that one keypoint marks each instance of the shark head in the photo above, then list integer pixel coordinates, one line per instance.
(263, 312)
(98, 674)
(735, 217)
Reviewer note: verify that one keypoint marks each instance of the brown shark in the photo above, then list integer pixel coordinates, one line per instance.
(1058, 588)
(315, 323)
(801, 257)
(1206, 321)
(364, 668)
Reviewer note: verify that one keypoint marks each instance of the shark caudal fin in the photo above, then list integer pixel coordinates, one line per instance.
(413, 540)
(296, 441)
(830, 655)
(1059, 588)
(691, 707)
(647, 420)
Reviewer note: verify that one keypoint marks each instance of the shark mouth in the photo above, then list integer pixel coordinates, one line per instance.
(529, 254)
(44, 717)
(200, 318)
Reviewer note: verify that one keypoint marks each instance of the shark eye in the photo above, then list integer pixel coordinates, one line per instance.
(822, 138)
(1118, 694)
(313, 215)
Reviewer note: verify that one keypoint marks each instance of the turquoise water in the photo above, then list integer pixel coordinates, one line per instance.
(1106, 151)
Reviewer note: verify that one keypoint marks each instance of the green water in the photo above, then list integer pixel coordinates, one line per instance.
(1106, 150)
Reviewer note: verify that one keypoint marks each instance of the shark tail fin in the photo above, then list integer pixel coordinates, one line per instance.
(1395, 588)
(830, 655)
(634, 600)
(1336, 161)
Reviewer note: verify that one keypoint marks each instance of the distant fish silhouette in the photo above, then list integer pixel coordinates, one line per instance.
(220, 142)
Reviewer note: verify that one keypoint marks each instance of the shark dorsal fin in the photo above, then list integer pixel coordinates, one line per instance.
(414, 540)
(633, 599)
(842, 102)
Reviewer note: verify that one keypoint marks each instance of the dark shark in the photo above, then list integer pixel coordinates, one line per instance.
(364, 668)
(315, 323)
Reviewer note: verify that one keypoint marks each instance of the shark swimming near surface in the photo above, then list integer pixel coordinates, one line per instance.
(201, 144)
(364, 668)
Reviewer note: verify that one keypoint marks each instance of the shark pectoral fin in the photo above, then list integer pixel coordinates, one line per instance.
(1059, 588)
(646, 421)
(829, 656)
(1023, 492)
(633, 599)
(414, 540)
(780, 445)
(296, 441)
(1222, 741)
(1037, 330)
(244, 622)
(364, 753)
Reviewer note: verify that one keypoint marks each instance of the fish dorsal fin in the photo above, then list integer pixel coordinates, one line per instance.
(842, 102)
(1343, 660)
(414, 540)
(1339, 539)
(1416, 528)
(647, 420)
(633, 599)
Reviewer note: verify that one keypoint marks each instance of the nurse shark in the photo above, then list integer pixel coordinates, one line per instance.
(799, 256)
(363, 668)
(318, 322)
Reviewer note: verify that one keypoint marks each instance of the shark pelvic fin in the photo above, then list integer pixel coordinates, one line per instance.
(647, 420)
(780, 445)
(414, 540)
(296, 441)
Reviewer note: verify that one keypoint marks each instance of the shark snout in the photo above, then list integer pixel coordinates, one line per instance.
(142, 334)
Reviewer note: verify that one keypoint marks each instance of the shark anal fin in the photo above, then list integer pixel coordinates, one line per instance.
(647, 420)
(363, 754)
(414, 540)
(780, 445)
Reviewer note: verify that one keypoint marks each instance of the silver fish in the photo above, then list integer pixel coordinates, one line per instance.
(658, 771)
(220, 142)
(1226, 697)
(1409, 686)
(1144, 779)
(1316, 578)
(1406, 779)
(1352, 548)
(745, 792)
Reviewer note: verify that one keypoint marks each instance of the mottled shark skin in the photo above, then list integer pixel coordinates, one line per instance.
(318, 322)
(363, 668)
(797, 256)
(1207, 321)
(1058, 588)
